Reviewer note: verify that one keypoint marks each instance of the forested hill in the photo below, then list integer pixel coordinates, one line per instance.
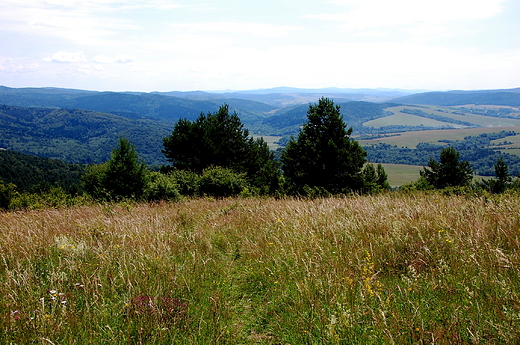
(78, 136)
(509, 97)
(28, 172)
(131, 105)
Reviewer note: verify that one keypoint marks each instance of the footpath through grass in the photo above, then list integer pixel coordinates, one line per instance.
(360, 270)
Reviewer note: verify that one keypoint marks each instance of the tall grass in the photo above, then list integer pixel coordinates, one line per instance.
(381, 269)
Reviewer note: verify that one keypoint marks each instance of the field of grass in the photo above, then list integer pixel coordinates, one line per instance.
(388, 269)
(270, 140)
(400, 174)
(405, 119)
(411, 139)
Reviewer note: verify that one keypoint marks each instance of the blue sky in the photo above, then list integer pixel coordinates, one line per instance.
(162, 45)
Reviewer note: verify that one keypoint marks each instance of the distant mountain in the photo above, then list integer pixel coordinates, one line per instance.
(290, 96)
(507, 97)
(354, 113)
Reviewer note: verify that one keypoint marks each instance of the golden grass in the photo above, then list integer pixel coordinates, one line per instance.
(394, 268)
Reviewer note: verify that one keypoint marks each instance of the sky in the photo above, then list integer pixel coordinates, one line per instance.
(186, 45)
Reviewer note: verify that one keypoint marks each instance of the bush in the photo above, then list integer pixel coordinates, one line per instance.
(7, 192)
(162, 187)
(221, 182)
(187, 181)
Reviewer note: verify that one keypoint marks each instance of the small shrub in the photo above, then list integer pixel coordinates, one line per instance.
(162, 187)
(7, 193)
(221, 182)
(187, 181)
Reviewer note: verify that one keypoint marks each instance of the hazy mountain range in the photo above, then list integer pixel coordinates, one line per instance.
(83, 126)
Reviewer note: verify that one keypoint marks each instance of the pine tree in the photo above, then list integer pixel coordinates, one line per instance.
(449, 171)
(123, 176)
(323, 155)
(219, 139)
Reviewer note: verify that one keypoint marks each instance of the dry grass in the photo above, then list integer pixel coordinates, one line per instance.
(383, 269)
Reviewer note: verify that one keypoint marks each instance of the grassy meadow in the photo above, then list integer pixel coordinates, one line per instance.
(388, 269)
(400, 174)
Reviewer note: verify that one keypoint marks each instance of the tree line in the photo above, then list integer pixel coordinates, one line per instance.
(214, 155)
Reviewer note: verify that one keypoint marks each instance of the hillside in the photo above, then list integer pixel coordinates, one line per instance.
(131, 105)
(78, 136)
(508, 97)
(27, 171)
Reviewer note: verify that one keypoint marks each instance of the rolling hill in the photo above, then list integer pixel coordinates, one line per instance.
(508, 97)
(81, 126)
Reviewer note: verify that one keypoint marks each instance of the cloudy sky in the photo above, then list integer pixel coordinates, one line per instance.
(166, 45)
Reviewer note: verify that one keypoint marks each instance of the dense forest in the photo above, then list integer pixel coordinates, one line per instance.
(30, 173)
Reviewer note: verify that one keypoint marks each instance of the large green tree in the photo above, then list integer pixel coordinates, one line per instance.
(123, 176)
(449, 171)
(323, 155)
(219, 139)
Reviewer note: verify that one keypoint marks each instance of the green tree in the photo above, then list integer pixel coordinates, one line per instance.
(382, 177)
(219, 139)
(374, 180)
(323, 155)
(503, 180)
(7, 193)
(123, 176)
(448, 171)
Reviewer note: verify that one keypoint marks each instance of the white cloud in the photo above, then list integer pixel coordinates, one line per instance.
(10, 65)
(103, 59)
(253, 29)
(365, 14)
(63, 56)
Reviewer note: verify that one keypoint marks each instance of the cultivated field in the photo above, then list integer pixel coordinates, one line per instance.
(388, 269)
(400, 118)
(411, 139)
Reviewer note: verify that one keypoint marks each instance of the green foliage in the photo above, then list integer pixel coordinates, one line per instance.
(76, 135)
(449, 171)
(374, 181)
(502, 181)
(187, 181)
(323, 155)
(421, 184)
(7, 192)
(219, 139)
(123, 176)
(162, 187)
(54, 197)
(27, 171)
(221, 182)
(93, 181)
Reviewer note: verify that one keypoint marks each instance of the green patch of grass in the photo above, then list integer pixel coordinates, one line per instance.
(271, 141)
(403, 119)
(400, 174)
(393, 268)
